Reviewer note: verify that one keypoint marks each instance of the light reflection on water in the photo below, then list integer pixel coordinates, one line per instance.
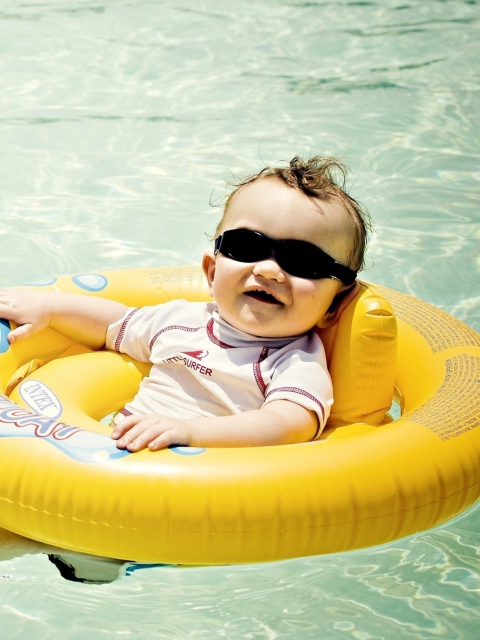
(118, 121)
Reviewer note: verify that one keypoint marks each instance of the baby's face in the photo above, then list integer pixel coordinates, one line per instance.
(261, 298)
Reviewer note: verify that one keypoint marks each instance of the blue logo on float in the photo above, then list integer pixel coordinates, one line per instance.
(4, 331)
(90, 281)
(40, 398)
(81, 445)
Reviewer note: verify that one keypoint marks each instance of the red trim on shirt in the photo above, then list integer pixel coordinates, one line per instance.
(257, 372)
(214, 338)
(170, 328)
(123, 328)
(302, 392)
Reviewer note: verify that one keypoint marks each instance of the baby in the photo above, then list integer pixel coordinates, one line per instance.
(247, 369)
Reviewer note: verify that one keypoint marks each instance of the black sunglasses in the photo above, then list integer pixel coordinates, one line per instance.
(297, 257)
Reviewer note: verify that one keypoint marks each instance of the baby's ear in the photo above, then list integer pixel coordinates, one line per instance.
(341, 300)
(208, 266)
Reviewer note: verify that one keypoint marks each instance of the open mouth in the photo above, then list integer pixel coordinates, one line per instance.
(263, 296)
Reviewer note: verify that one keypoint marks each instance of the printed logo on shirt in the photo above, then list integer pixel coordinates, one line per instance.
(198, 355)
(192, 360)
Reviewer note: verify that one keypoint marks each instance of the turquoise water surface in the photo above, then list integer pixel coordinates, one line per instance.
(119, 122)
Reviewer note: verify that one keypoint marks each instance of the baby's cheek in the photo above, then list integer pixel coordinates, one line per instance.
(314, 291)
(316, 300)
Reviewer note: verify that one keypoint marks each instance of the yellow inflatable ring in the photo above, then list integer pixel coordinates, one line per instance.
(368, 481)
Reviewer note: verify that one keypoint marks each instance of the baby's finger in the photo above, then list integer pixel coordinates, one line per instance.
(136, 441)
(169, 438)
(163, 441)
(124, 425)
(137, 437)
(20, 333)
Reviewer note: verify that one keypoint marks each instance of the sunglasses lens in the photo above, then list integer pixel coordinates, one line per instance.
(244, 245)
(301, 259)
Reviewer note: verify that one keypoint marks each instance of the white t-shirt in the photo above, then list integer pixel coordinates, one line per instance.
(204, 367)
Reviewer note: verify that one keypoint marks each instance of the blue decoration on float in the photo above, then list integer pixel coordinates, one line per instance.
(4, 331)
(78, 444)
(187, 451)
(41, 283)
(90, 281)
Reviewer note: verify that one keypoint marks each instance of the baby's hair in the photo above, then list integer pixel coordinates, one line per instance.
(318, 177)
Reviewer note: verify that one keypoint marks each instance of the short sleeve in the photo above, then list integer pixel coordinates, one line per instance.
(135, 333)
(299, 374)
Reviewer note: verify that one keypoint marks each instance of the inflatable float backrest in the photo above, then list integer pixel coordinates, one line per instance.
(361, 351)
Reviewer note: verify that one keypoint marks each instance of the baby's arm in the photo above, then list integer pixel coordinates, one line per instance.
(278, 422)
(83, 318)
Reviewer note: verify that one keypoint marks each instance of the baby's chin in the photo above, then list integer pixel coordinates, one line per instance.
(264, 330)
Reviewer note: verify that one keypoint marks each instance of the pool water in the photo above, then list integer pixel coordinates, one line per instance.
(119, 122)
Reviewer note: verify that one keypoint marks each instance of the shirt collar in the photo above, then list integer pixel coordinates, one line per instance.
(228, 334)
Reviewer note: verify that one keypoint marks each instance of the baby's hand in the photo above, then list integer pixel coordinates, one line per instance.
(28, 308)
(153, 431)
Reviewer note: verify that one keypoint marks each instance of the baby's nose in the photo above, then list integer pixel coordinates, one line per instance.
(269, 269)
